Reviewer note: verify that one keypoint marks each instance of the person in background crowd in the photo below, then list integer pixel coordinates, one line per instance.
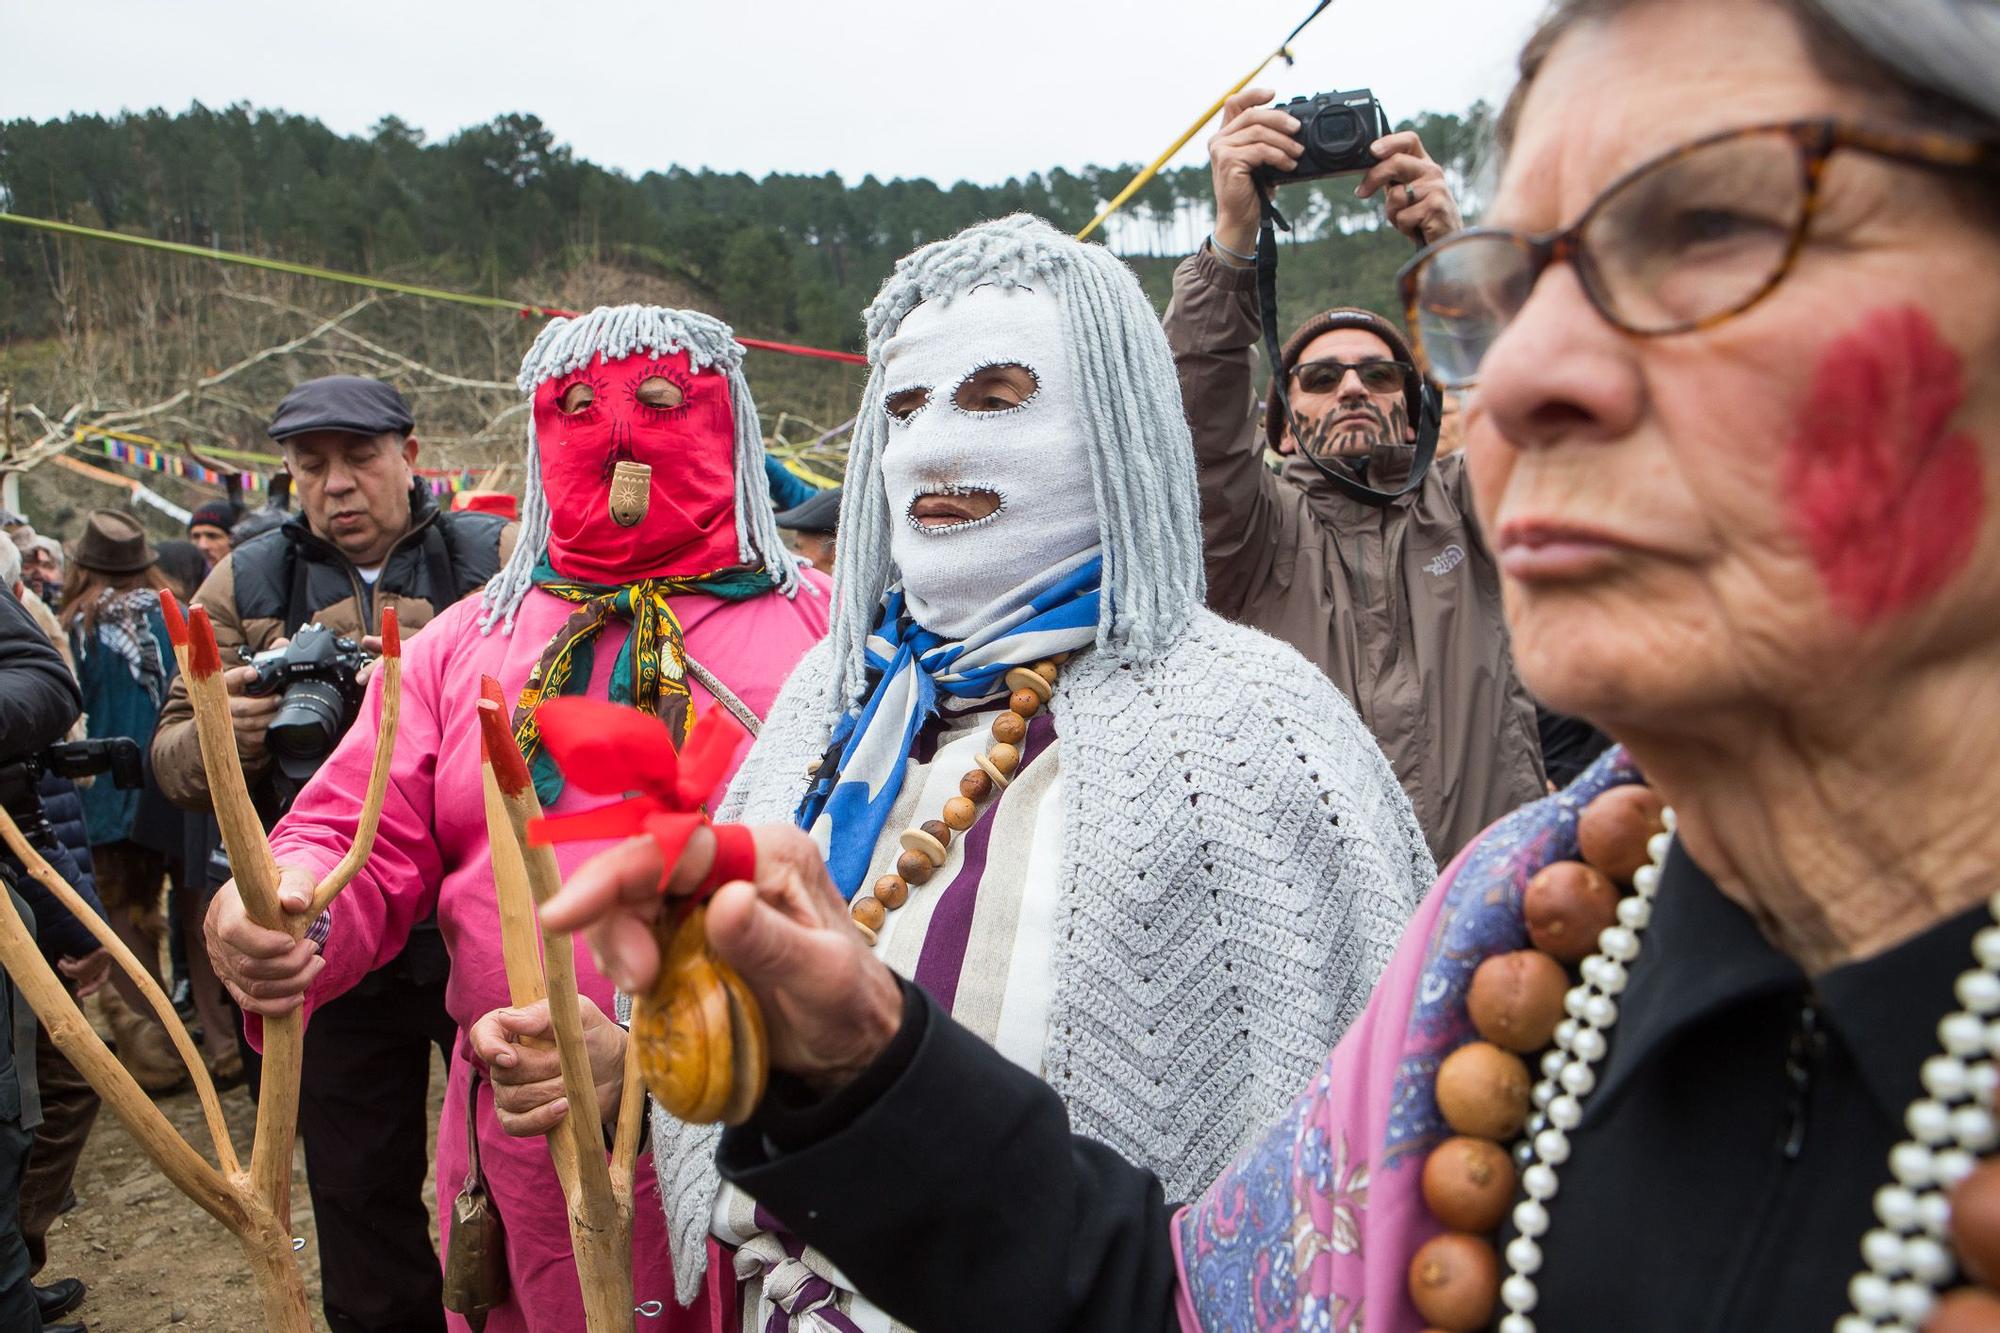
(1735, 326)
(669, 593)
(38, 703)
(183, 564)
(788, 491)
(210, 527)
(1398, 602)
(42, 566)
(111, 613)
(69, 1103)
(811, 526)
(368, 534)
(184, 839)
(270, 515)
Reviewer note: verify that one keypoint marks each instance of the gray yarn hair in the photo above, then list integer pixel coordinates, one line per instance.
(1135, 436)
(1947, 48)
(615, 332)
(1943, 51)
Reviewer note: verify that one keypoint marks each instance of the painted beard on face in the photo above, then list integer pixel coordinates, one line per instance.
(1355, 432)
(638, 463)
(987, 480)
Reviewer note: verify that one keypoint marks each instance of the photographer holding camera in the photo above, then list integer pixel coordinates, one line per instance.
(38, 702)
(305, 600)
(1379, 576)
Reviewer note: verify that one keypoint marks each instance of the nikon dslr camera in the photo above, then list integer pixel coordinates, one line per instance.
(1335, 131)
(316, 672)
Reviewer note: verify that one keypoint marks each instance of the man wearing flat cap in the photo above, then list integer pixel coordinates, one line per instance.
(810, 527)
(366, 535)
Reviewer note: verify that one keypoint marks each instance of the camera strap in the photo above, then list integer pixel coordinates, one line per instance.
(1430, 413)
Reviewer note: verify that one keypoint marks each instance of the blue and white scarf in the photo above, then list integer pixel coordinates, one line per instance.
(848, 809)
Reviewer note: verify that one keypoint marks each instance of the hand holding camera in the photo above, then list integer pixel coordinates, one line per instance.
(1261, 146)
(1254, 138)
(250, 714)
(1414, 191)
(299, 696)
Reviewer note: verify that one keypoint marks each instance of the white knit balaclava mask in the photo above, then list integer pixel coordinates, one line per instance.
(985, 497)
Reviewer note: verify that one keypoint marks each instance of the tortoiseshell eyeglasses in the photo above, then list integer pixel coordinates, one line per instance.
(1685, 241)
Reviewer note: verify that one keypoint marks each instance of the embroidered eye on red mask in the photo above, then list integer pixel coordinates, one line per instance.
(637, 461)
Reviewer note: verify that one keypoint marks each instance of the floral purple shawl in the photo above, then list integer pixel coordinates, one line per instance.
(1312, 1229)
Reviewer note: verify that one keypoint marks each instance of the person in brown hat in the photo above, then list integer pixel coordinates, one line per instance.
(1397, 599)
(111, 613)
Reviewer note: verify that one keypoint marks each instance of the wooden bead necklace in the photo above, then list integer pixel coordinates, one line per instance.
(1519, 1001)
(926, 846)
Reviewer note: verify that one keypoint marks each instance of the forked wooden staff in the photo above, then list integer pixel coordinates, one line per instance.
(597, 1192)
(255, 1205)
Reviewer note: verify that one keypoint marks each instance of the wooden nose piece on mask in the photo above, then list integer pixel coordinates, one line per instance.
(631, 493)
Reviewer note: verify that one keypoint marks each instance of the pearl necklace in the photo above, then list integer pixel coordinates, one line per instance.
(1568, 1077)
(1909, 1257)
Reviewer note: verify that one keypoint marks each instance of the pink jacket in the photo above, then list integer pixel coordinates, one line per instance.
(431, 855)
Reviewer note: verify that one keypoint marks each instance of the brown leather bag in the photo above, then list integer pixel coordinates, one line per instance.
(475, 1257)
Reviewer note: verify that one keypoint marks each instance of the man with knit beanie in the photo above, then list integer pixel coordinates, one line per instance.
(649, 572)
(1086, 815)
(209, 529)
(1398, 602)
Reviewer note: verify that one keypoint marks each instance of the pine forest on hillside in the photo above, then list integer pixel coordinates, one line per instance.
(90, 331)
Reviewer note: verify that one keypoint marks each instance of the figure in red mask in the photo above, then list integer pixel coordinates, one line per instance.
(649, 572)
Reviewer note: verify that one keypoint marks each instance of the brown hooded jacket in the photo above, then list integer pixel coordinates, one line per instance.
(1399, 605)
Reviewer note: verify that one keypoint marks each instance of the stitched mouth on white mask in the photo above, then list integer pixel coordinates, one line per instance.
(936, 510)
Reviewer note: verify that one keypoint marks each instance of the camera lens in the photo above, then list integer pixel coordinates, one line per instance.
(1335, 133)
(306, 726)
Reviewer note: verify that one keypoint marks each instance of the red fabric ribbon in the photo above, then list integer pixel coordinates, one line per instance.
(608, 748)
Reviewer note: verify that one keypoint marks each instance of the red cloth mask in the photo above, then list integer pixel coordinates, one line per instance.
(656, 410)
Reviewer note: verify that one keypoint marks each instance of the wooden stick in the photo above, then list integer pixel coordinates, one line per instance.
(519, 946)
(250, 861)
(378, 774)
(204, 1086)
(256, 874)
(75, 1038)
(600, 1232)
(625, 1139)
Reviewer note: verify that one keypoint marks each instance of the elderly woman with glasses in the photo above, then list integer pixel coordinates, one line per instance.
(1708, 1040)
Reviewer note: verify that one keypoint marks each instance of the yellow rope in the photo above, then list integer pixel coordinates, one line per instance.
(1138, 182)
(276, 265)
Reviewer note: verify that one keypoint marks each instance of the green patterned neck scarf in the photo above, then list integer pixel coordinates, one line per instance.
(651, 670)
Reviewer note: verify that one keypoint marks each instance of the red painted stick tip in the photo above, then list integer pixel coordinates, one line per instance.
(496, 742)
(177, 629)
(392, 635)
(204, 658)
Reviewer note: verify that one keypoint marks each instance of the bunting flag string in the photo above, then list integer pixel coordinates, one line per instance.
(158, 456)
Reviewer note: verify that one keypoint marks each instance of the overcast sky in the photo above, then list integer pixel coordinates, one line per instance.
(937, 88)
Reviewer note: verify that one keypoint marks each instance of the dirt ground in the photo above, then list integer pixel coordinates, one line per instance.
(152, 1260)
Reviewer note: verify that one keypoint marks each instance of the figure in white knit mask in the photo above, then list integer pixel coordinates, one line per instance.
(1088, 816)
(981, 465)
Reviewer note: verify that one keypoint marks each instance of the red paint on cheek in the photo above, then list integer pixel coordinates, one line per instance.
(1888, 499)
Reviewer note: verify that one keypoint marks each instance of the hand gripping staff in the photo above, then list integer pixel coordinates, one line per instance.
(597, 1193)
(255, 1205)
(698, 1033)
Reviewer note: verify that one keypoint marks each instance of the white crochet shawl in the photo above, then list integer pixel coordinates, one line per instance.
(1238, 865)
